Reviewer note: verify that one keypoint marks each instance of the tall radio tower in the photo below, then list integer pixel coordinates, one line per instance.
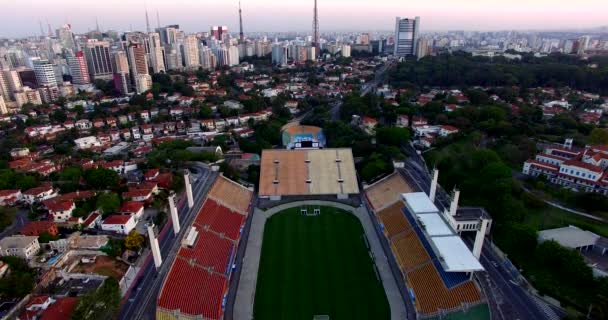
(315, 31)
(241, 35)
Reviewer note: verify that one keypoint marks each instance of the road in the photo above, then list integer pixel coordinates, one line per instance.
(21, 219)
(140, 302)
(378, 78)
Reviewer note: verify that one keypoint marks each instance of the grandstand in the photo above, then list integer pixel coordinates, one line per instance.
(435, 264)
(387, 191)
(307, 173)
(302, 137)
(198, 280)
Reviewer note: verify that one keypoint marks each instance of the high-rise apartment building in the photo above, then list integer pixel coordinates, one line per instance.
(406, 36)
(233, 56)
(136, 54)
(98, 59)
(422, 48)
(120, 62)
(3, 108)
(207, 58)
(66, 37)
(143, 83)
(218, 32)
(45, 73)
(279, 54)
(157, 60)
(4, 86)
(13, 80)
(78, 69)
(190, 52)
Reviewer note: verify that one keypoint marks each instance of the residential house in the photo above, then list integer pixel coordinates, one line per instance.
(119, 224)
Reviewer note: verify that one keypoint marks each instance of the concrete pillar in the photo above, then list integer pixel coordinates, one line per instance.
(174, 216)
(480, 237)
(434, 185)
(454, 203)
(158, 260)
(188, 188)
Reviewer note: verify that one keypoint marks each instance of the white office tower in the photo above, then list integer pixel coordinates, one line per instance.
(78, 69)
(174, 57)
(156, 53)
(98, 59)
(190, 46)
(233, 56)
(45, 73)
(12, 79)
(158, 260)
(138, 61)
(5, 90)
(406, 36)
(422, 48)
(66, 37)
(221, 53)
(207, 58)
(174, 215)
(3, 108)
(279, 54)
(143, 83)
(121, 62)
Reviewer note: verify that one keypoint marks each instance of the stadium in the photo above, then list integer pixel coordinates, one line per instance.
(313, 244)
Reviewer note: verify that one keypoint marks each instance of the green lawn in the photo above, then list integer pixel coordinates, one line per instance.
(317, 265)
(550, 217)
(480, 312)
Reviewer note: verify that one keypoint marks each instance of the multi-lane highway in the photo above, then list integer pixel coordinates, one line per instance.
(140, 301)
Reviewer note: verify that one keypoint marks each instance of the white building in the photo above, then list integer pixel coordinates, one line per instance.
(19, 246)
(143, 83)
(87, 142)
(191, 54)
(45, 73)
(119, 224)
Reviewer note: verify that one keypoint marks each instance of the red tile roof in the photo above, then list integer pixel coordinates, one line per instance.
(55, 206)
(580, 164)
(62, 309)
(131, 207)
(38, 190)
(117, 219)
(92, 217)
(35, 228)
(137, 193)
(8, 193)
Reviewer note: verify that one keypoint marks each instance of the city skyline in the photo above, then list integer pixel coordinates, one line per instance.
(334, 15)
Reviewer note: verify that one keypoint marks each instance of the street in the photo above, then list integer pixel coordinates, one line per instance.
(140, 302)
(21, 219)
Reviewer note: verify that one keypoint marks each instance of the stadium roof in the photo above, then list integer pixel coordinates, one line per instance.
(569, 237)
(434, 224)
(308, 172)
(455, 255)
(419, 202)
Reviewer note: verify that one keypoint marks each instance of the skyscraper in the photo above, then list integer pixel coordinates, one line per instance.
(279, 54)
(13, 82)
(218, 32)
(191, 56)
(156, 53)
(78, 69)
(98, 59)
(207, 58)
(406, 36)
(45, 73)
(66, 36)
(136, 54)
(3, 108)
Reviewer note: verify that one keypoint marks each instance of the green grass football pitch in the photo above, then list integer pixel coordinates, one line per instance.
(317, 265)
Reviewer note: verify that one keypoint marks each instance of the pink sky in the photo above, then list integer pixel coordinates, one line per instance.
(20, 17)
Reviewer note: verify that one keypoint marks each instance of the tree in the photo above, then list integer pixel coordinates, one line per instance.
(108, 202)
(45, 237)
(392, 136)
(114, 247)
(598, 136)
(100, 304)
(19, 281)
(7, 216)
(101, 178)
(134, 240)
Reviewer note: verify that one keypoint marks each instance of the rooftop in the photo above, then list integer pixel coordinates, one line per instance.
(419, 202)
(569, 237)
